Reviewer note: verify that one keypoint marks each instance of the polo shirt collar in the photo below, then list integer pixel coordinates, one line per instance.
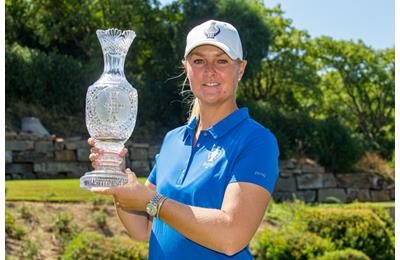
(222, 127)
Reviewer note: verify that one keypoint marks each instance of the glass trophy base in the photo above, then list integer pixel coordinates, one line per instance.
(103, 179)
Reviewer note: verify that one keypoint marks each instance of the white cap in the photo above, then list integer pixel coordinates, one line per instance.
(220, 34)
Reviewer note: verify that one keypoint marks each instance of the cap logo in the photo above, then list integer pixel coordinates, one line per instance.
(212, 31)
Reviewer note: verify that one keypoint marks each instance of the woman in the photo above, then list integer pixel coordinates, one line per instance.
(213, 177)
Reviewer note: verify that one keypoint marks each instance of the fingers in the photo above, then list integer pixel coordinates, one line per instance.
(103, 190)
(131, 175)
(91, 141)
(123, 152)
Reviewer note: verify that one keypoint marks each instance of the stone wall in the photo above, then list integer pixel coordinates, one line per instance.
(29, 156)
(311, 183)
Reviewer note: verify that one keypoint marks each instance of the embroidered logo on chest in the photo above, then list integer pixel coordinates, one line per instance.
(213, 156)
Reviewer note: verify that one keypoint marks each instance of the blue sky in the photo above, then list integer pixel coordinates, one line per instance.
(372, 21)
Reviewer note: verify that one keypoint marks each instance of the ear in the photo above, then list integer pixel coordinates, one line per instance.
(242, 67)
(184, 64)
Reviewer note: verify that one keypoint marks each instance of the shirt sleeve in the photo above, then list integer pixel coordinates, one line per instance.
(258, 162)
(153, 174)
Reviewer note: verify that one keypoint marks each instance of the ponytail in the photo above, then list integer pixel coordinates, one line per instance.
(194, 110)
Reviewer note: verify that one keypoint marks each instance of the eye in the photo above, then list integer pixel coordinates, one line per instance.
(222, 61)
(198, 61)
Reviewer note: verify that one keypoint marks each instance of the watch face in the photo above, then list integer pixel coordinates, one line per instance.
(151, 209)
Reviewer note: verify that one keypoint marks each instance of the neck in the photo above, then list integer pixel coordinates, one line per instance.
(211, 115)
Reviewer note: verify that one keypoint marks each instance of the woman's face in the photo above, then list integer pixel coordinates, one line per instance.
(213, 75)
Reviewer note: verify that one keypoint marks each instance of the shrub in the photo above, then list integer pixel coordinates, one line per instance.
(26, 214)
(12, 230)
(289, 244)
(50, 79)
(346, 254)
(360, 229)
(373, 163)
(100, 218)
(62, 227)
(90, 245)
(326, 141)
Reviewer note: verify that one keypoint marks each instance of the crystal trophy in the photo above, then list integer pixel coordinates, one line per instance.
(111, 108)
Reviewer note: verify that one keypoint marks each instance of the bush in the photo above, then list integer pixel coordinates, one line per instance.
(12, 230)
(90, 245)
(62, 227)
(360, 229)
(49, 79)
(347, 254)
(299, 135)
(289, 244)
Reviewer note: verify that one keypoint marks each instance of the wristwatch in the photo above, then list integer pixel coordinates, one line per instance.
(152, 206)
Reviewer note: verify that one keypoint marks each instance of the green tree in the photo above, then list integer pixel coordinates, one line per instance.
(358, 86)
(288, 75)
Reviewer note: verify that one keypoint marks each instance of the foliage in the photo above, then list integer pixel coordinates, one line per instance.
(360, 229)
(373, 163)
(100, 217)
(52, 56)
(49, 79)
(289, 244)
(63, 228)
(94, 246)
(358, 86)
(326, 141)
(345, 254)
(12, 229)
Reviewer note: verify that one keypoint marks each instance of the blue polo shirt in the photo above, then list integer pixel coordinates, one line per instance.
(237, 149)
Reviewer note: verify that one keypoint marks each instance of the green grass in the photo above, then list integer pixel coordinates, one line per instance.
(66, 190)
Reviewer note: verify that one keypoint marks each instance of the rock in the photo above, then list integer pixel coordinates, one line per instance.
(361, 195)
(353, 180)
(17, 145)
(315, 181)
(76, 144)
(307, 196)
(141, 168)
(153, 150)
(331, 195)
(10, 135)
(28, 156)
(59, 144)
(307, 168)
(380, 195)
(82, 154)
(286, 184)
(282, 196)
(44, 146)
(20, 168)
(65, 155)
(53, 168)
(33, 125)
(138, 153)
(9, 156)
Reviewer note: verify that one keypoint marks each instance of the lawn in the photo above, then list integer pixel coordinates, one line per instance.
(65, 190)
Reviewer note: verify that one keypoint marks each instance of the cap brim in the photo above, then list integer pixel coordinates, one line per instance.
(220, 45)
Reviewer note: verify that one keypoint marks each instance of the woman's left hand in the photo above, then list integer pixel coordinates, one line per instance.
(131, 196)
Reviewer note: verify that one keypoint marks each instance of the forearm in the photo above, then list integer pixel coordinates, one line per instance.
(212, 228)
(137, 223)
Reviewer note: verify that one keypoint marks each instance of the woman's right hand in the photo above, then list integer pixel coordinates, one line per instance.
(95, 153)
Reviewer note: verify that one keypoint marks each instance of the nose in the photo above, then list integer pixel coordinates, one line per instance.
(210, 69)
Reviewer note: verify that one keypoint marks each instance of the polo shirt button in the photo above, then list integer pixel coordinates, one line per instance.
(205, 134)
(198, 145)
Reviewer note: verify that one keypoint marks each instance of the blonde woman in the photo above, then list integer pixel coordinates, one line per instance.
(213, 178)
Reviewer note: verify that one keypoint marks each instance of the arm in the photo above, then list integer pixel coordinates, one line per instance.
(137, 223)
(227, 230)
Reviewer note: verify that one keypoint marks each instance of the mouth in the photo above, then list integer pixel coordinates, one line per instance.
(211, 84)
